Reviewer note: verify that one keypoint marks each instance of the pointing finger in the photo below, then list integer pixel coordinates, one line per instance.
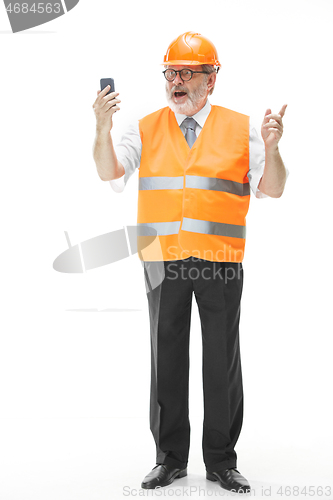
(283, 110)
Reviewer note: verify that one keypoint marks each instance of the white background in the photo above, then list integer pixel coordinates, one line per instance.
(75, 384)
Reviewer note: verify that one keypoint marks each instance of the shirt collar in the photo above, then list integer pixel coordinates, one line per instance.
(199, 117)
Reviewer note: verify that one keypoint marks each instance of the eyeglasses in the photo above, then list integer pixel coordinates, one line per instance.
(185, 74)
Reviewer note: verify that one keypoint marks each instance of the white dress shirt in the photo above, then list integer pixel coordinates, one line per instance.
(128, 151)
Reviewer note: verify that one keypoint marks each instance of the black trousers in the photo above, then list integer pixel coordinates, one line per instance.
(217, 287)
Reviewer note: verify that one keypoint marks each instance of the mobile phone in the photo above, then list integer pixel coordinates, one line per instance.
(107, 81)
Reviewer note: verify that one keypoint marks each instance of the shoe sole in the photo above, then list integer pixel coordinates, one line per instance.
(212, 477)
(178, 475)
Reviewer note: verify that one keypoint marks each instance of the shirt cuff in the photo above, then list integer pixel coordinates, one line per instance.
(256, 175)
(118, 185)
(260, 194)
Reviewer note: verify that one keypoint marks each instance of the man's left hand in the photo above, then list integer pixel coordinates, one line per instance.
(272, 128)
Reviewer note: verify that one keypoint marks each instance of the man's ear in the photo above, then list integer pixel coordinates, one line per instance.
(211, 80)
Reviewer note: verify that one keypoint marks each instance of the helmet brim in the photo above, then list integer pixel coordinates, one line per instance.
(189, 63)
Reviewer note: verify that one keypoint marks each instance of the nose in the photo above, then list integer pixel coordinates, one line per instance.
(178, 80)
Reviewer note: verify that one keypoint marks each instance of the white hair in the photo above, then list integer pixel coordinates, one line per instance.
(209, 68)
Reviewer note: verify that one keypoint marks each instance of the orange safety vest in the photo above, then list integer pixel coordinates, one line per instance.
(195, 200)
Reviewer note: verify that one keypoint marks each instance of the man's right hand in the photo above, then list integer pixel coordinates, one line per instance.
(104, 108)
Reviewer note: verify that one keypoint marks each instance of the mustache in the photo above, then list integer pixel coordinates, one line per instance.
(178, 88)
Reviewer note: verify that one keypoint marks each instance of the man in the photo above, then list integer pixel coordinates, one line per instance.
(197, 164)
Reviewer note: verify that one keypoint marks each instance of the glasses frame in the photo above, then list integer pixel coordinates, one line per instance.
(179, 71)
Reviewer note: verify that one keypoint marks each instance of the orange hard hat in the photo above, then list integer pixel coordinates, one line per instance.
(191, 49)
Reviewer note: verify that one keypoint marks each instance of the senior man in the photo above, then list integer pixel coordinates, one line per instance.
(197, 164)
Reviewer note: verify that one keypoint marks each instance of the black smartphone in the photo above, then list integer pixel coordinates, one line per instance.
(107, 81)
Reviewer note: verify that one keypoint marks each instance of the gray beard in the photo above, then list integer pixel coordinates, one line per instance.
(194, 99)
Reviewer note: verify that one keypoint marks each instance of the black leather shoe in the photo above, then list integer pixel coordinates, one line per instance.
(162, 475)
(230, 479)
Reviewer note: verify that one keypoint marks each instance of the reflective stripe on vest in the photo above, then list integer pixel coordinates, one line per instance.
(195, 181)
(194, 225)
(161, 182)
(161, 228)
(218, 228)
(198, 182)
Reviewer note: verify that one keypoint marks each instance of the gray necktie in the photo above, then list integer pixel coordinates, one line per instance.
(190, 136)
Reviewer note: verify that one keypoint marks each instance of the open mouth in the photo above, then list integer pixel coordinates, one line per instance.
(178, 95)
